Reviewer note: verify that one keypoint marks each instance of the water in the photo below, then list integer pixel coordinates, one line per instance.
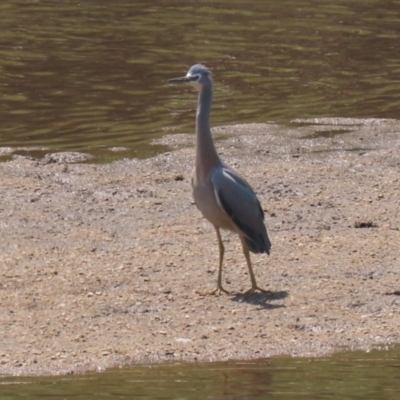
(350, 375)
(92, 75)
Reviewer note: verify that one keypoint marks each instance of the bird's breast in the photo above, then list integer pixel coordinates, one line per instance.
(206, 202)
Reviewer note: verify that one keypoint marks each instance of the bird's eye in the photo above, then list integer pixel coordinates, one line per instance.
(194, 78)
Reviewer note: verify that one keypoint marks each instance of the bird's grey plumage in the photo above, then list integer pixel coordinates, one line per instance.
(239, 201)
(224, 198)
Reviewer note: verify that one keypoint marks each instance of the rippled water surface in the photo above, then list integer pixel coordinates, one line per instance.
(92, 75)
(344, 376)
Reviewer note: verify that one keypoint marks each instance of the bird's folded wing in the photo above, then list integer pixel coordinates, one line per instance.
(237, 199)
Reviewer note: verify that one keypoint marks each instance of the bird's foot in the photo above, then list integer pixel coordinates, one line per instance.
(253, 290)
(216, 292)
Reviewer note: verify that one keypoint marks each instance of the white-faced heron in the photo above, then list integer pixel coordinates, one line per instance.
(224, 198)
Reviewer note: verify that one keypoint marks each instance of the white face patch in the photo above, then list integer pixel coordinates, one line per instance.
(194, 82)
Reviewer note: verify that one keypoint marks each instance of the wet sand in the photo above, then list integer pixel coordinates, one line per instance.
(102, 265)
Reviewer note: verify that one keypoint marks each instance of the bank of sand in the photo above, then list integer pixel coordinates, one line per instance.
(101, 264)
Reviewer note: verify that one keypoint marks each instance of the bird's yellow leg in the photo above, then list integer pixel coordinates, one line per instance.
(219, 289)
(254, 286)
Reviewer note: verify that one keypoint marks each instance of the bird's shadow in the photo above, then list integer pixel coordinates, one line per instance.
(262, 299)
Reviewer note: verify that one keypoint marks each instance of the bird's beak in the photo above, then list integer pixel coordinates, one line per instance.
(183, 79)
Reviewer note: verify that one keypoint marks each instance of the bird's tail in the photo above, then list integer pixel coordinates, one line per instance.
(258, 243)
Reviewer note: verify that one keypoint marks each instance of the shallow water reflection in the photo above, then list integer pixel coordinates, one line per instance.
(91, 76)
(350, 375)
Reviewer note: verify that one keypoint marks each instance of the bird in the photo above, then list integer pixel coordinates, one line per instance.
(223, 197)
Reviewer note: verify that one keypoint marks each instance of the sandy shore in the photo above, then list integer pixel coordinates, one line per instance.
(102, 264)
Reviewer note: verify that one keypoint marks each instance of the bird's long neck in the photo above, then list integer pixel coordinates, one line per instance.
(206, 155)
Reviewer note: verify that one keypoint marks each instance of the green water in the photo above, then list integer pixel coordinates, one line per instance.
(350, 375)
(92, 75)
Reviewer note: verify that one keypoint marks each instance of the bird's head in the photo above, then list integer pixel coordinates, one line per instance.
(198, 76)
